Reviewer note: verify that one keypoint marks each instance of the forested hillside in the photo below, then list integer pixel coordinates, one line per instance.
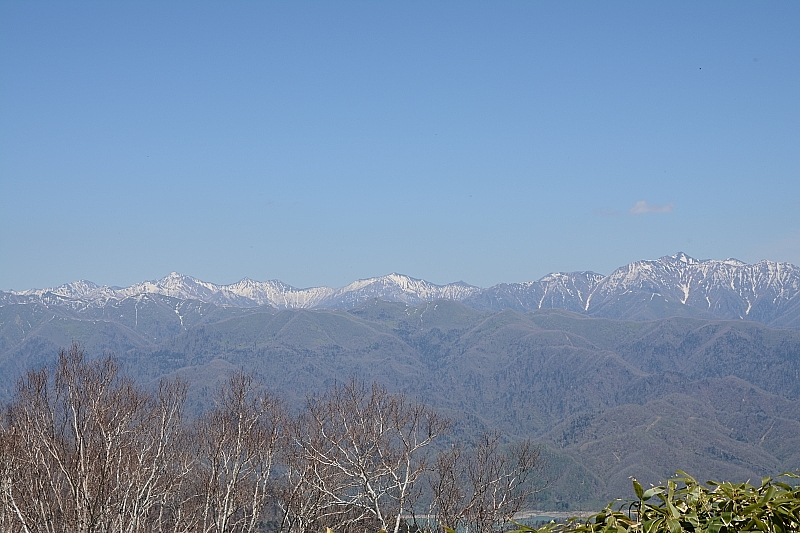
(608, 398)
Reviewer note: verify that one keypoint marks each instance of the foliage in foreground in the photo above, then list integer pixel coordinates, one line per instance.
(84, 449)
(685, 505)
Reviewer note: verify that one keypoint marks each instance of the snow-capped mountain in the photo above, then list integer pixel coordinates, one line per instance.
(767, 292)
(728, 288)
(559, 290)
(398, 288)
(250, 293)
(280, 295)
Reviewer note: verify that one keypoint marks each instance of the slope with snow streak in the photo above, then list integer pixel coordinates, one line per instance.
(250, 293)
(727, 288)
(767, 292)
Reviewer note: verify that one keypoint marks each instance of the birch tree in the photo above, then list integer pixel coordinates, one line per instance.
(236, 447)
(480, 488)
(90, 451)
(358, 456)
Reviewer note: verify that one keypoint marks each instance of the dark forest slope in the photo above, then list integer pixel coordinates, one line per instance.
(609, 398)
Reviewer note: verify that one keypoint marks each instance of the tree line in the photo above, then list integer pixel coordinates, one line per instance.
(84, 448)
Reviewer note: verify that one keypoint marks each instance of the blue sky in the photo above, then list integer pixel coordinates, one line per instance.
(319, 143)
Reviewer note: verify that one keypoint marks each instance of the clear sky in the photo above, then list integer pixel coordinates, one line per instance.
(319, 143)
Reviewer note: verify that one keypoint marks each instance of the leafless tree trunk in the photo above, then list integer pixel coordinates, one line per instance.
(84, 450)
(236, 447)
(10, 513)
(357, 455)
(309, 489)
(91, 452)
(480, 489)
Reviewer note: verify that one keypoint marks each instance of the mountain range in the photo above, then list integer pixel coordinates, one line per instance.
(767, 292)
(667, 364)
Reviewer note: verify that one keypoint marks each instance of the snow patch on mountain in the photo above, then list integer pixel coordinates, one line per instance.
(727, 288)
(250, 293)
(767, 291)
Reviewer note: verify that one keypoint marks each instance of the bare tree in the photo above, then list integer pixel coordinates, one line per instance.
(91, 452)
(9, 474)
(310, 494)
(236, 446)
(84, 450)
(357, 456)
(480, 489)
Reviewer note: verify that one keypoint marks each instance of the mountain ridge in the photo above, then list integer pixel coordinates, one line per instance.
(767, 291)
(608, 398)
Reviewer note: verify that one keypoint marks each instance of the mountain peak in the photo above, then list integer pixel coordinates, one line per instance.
(177, 276)
(683, 258)
(678, 284)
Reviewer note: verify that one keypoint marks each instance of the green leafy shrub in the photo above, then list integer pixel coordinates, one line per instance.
(684, 505)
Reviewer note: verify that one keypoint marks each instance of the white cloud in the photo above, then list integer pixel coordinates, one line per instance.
(642, 208)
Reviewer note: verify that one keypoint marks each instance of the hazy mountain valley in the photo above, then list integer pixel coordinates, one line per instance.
(639, 373)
